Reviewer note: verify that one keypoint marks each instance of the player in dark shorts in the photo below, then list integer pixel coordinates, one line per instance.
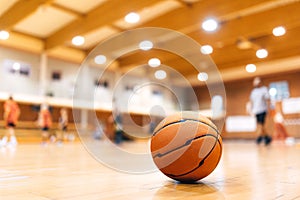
(45, 122)
(63, 125)
(11, 116)
(259, 105)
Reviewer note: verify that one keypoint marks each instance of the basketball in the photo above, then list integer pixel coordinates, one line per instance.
(186, 146)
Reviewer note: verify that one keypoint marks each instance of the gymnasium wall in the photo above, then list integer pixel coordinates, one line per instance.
(30, 85)
(19, 84)
(61, 89)
(64, 87)
(238, 93)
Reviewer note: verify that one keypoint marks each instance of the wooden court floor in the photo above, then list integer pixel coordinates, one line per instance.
(246, 171)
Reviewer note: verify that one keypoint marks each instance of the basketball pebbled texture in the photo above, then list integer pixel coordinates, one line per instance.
(186, 146)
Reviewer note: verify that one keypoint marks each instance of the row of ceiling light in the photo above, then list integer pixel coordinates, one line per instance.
(209, 25)
(130, 18)
(153, 62)
(263, 53)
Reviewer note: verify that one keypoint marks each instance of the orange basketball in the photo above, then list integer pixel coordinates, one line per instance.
(186, 146)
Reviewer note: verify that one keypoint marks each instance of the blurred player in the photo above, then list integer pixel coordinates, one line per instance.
(280, 132)
(63, 125)
(118, 127)
(11, 116)
(45, 122)
(110, 128)
(259, 106)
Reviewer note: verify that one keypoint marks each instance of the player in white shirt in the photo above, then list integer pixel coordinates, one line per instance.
(259, 106)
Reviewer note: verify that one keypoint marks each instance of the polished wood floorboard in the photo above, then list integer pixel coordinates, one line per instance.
(246, 171)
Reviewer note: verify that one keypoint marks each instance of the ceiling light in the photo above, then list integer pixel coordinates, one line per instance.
(160, 74)
(210, 25)
(78, 40)
(206, 49)
(132, 18)
(4, 35)
(261, 53)
(146, 45)
(251, 68)
(100, 59)
(278, 31)
(202, 76)
(154, 62)
(16, 66)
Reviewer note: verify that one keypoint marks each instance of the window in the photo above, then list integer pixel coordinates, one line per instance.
(101, 83)
(16, 67)
(279, 90)
(157, 92)
(129, 88)
(56, 75)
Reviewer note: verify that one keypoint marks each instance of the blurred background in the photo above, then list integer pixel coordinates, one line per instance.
(44, 42)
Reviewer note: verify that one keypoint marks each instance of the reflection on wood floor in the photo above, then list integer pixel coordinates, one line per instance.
(246, 171)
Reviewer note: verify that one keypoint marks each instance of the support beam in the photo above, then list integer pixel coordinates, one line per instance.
(19, 11)
(113, 9)
(23, 42)
(244, 26)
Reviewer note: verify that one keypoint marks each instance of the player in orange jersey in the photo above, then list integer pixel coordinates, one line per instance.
(11, 116)
(45, 122)
(63, 125)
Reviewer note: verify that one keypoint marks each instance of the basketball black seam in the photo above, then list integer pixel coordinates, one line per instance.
(184, 120)
(185, 144)
(200, 163)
